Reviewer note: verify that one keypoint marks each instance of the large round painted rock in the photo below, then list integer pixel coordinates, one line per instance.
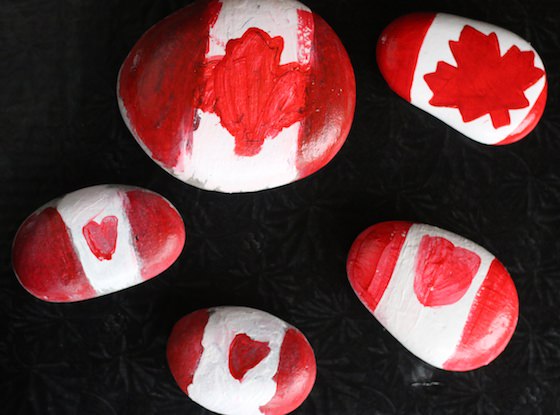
(446, 299)
(241, 361)
(480, 79)
(96, 241)
(238, 95)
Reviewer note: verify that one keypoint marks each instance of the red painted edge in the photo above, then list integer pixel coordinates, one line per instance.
(530, 121)
(490, 324)
(372, 259)
(295, 376)
(158, 231)
(330, 100)
(45, 262)
(184, 347)
(398, 48)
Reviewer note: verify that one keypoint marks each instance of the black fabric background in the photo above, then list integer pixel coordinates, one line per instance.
(282, 250)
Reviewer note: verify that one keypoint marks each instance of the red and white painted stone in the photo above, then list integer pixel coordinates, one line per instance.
(446, 299)
(96, 241)
(480, 79)
(237, 95)
(241, 361)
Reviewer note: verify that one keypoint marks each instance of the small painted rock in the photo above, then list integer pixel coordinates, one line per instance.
(241, 361)
(238, 95)
(480, 79)
(444, 298)
(96, 241)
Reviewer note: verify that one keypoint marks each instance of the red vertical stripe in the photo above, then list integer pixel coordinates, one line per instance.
(158, 80)
(490, 324)
(372, 259)
(295, 376)
(330, 101)
(158, 232)
(184, 347)
(398, 48)
(45, 262)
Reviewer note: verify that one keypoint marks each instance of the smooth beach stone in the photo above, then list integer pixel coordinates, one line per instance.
(482, 80)
(446, 299)
(239, 95)
(241, 361)
(96, 241)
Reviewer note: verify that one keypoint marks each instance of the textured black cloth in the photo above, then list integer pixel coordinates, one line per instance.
(282, 250)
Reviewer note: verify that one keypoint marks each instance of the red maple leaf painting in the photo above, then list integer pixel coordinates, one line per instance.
(484, 82)
(254, 96)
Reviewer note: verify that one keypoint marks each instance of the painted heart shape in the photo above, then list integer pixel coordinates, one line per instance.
(102, 237)
(244, 354)
(444, 272)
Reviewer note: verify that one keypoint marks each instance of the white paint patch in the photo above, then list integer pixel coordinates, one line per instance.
(431, 333)
(213, 165)
(213, 386)
(95, 203)
(276, 17)
(436, 48)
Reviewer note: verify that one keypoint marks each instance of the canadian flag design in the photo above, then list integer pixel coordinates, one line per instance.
(480, 79)
(446, 299)
(239, 96)
(241, 361)
(96, 241)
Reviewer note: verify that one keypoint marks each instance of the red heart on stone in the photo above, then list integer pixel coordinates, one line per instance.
(444, 272)
(244, 354)
(102, 237)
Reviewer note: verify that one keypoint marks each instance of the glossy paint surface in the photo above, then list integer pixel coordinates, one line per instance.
(446, 299)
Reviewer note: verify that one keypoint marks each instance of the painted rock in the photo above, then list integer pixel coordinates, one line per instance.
(241, 361)
(446, 299)
(96, 241)
(480, 79)
(238, 95)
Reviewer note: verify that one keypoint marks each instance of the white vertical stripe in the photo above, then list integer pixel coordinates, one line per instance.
(431, 333)
(435, 48)
(95, 203)
(213, 385)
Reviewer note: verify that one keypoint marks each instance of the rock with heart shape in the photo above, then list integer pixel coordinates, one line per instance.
(446, 299)
(482, 80)
(241, 361)
(239, 96)
(96, 241)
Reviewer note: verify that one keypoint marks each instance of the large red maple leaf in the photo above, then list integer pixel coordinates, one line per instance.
(254, 96)
(484, 82)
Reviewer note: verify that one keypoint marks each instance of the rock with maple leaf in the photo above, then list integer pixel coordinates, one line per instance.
(446, 299)
(241, 361)
(96, 241)
(480, 79)
(239, 96)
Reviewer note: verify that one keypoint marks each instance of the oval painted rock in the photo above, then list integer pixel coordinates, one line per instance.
(480, 79)
(237, 95)
(96, 241)
(241, 361)
(446, 299)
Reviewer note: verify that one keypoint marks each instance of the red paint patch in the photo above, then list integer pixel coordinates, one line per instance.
(372, 259)
(444, 272)
(398, 48)
(254, 96)
(491, 322)
(244, 354)
(330, 99)
(102, 237)
(160, 76)
(45, 262)
(158, 232)
(295, 376)
(483, 81)
(184, 347)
